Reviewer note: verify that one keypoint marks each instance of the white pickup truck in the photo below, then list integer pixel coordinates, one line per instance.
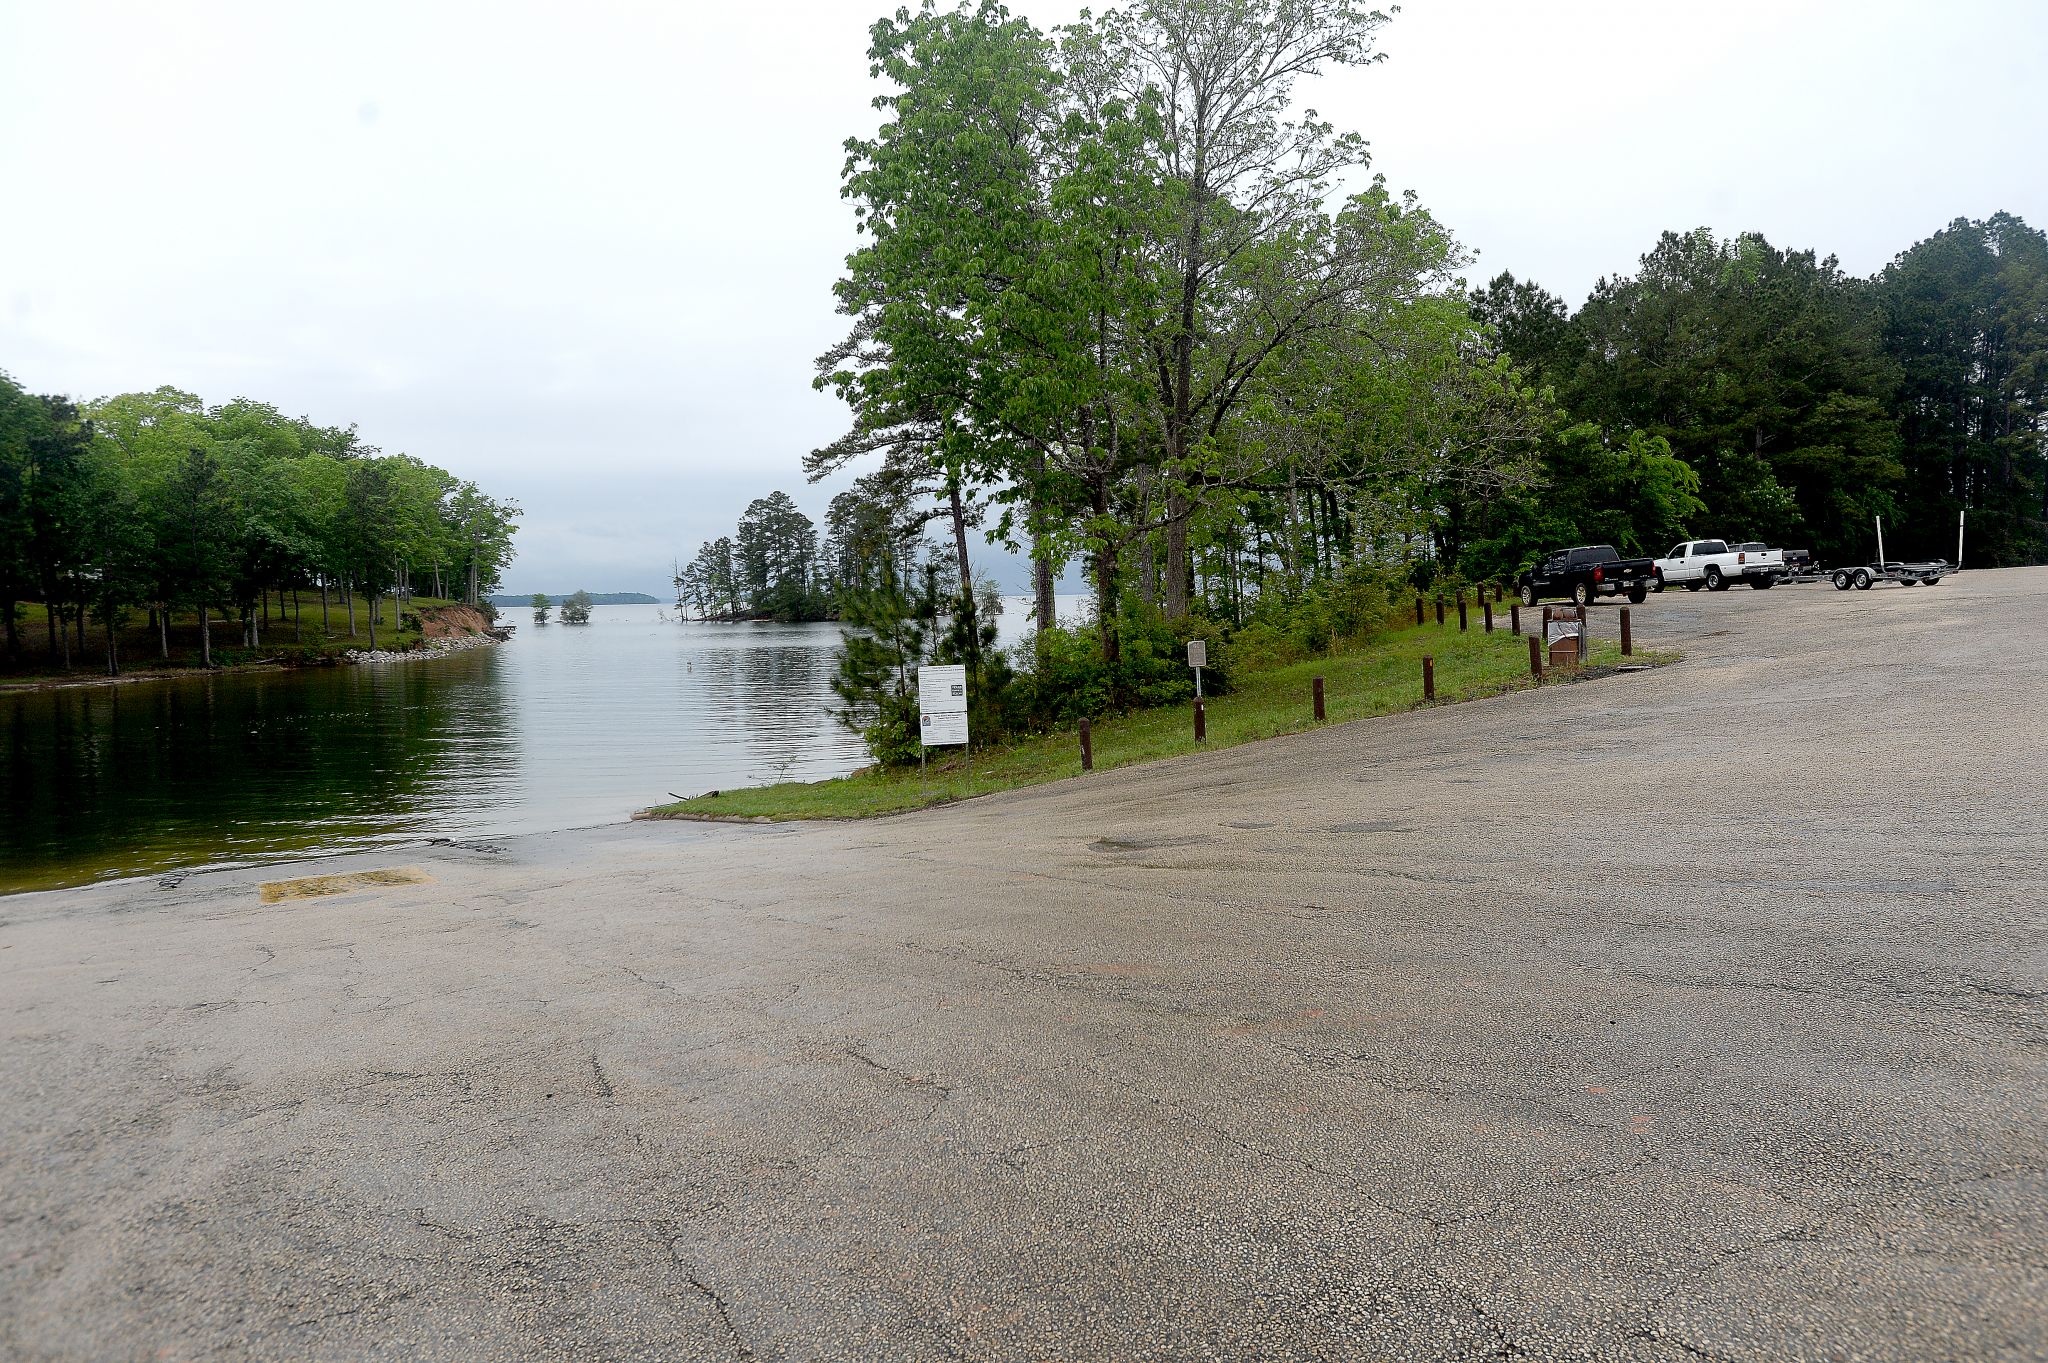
(1718, 565)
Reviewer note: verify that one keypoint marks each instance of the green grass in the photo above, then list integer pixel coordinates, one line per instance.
(1380, 678)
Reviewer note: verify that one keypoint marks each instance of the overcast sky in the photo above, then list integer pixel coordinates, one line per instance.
(582, 253)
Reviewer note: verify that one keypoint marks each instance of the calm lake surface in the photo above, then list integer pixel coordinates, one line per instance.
(561, 728)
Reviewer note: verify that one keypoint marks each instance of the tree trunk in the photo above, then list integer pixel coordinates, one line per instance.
(348, 592)
(113, 659)
(1044, 607)
(971, 634)
(1180, 414)
(1146, 548)
(1106, 571)
(1106, 602)
(1177, 510)
(373, 620)
(205, 638)
(163, 633)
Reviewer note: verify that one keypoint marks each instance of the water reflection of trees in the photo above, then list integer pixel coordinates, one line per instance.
(132, 778)
(768, 700)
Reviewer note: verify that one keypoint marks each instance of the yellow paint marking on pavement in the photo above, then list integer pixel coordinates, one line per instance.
(313, 887)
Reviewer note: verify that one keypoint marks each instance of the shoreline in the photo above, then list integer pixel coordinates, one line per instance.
(1368, 683)
(160, 674)
(351, 657)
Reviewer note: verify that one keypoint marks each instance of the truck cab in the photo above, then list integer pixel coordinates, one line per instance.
(1718, 565)
(1585, 574)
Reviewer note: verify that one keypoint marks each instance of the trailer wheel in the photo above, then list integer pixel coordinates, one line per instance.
(1841, 582)
(1930, 582)
(1863, 579)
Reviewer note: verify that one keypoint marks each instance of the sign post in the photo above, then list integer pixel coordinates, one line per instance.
(942, 712)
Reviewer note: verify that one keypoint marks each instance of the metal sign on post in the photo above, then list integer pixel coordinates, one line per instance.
(942, 705)
(1198, 658)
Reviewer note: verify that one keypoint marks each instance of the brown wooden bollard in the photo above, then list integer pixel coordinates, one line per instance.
(1418, 610)
(1317, 688)
(1439, 610)
(1489, 616)
(1497, 593)
(1582, 631)
(1535, 658)
(1461, 612)
(1628, 644)
(1515, 617)
(1201, 722)
(1428, 678)
(1087, 747)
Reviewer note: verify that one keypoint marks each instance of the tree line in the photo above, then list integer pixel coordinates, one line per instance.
(158, 502)
(1796, 401)
(1111, 305)
(1118, 302)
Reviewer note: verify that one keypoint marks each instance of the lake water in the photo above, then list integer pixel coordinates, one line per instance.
(561, 728)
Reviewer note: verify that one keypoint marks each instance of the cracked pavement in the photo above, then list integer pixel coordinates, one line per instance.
(1694, 1014)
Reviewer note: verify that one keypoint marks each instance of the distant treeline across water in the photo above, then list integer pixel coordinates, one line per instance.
(596, 599)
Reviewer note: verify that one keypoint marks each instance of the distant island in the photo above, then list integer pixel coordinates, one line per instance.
(596, 599)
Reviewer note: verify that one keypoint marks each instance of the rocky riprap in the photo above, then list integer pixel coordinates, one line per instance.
(432, 648)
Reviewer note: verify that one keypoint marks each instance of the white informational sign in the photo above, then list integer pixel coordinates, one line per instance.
(942, 705)
(1560, 628)
(1198, 653)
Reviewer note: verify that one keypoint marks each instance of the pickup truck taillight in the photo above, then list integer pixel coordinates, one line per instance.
(1742, 558)
(1598, 576)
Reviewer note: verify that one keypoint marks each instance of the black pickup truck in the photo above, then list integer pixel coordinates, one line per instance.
(1586, 573)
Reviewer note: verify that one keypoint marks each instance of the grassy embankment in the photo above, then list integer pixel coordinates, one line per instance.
(296, 637)
(1379, 678)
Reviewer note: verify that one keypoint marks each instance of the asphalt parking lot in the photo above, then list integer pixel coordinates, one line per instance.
(1693, 1014)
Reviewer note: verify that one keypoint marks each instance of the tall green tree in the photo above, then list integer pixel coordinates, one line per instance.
(777, 549)
(1965, 319)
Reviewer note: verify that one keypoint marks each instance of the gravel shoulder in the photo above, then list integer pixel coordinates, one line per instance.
(1698, 1014)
